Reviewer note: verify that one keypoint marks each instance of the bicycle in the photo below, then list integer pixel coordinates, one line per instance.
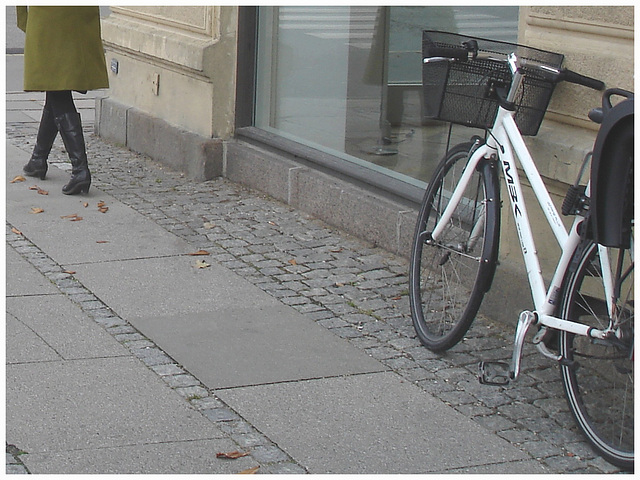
(585, 315)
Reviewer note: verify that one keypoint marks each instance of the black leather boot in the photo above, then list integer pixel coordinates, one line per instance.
(70, 128)
(47, 131)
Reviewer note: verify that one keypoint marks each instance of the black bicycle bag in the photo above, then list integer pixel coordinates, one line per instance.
(612, 177)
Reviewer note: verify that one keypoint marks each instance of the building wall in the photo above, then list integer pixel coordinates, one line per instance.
(170, 61)
(172, 75)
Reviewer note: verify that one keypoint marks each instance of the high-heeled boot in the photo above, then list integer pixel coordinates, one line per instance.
(47, 131)
(70, 128)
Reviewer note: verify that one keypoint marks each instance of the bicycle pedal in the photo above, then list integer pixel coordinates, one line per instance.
(494, 373)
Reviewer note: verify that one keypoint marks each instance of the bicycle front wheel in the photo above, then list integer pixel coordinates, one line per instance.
(598, 374)
(449, 276)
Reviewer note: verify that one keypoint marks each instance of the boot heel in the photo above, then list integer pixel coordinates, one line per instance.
(40, 174)
(77, 188)
(70, 129)
(29, 171)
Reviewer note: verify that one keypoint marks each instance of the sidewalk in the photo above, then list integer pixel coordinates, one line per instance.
(283, 338)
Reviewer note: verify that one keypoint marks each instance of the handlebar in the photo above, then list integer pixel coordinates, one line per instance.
(469, 51)
(573, 77)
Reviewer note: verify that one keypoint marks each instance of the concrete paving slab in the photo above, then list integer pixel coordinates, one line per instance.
(35, 115)
(167, 286)
(20, 95)
(64, 327)
(374, 423)
(26, 105)
(18, 117)
(24, 279)
(13, 95)
(23, 345)
(98, 403)
(190, 457)
(232, 347)
(97, 237)
(224, 330)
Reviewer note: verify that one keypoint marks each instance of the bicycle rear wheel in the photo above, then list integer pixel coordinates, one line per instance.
(598, 379)
(449, 277)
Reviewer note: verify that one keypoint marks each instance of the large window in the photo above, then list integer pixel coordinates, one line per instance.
(347, 80)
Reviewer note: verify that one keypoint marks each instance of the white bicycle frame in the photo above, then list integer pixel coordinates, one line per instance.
(505, 143)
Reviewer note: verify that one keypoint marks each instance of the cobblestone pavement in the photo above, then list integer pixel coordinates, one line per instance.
(354, 290)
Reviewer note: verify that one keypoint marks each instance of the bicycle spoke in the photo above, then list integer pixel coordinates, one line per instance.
(599, 383)
(447, 274)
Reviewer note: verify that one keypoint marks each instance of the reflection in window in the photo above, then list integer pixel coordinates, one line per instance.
(347, 80)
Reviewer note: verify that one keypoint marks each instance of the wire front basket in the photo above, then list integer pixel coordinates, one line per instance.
(464, 92)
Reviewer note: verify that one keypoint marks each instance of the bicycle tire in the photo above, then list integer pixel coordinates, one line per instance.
(598, 375)
(447, 280)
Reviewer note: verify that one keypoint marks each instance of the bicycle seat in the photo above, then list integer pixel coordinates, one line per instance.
(612, 173)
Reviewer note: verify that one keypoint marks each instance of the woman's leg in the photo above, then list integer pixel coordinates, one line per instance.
(67, 121)
(47, 131)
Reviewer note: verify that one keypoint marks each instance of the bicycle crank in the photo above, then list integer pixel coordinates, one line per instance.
(502, 373)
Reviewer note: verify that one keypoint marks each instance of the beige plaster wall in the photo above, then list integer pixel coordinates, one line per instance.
(597, 41)
(178, 63)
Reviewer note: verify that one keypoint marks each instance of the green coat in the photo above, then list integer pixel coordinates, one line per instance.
(63, 48)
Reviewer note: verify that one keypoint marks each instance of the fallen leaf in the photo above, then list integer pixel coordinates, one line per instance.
(39, 190)
(232, 455)
(199, 252)
(85, 204)
(101, 204)
(335, 250)
(73, 217)
(19, 178)
(293, 261)
(70, 272)
(249, 471)
(103, 209)
(102, 241)
(202, 264)
(16, 231)
(36, 210)
(208, 225)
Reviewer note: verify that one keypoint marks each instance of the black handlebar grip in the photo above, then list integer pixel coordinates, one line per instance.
(573, 77)
(459, 53)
